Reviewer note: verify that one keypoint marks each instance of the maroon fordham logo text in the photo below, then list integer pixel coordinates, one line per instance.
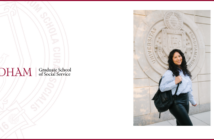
(15, 72)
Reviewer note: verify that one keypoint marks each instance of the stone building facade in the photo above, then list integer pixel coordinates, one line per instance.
(156, 33)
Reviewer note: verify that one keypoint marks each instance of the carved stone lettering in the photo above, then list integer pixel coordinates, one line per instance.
(149, 45)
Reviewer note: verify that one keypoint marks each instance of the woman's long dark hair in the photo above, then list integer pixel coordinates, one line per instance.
(174, 68)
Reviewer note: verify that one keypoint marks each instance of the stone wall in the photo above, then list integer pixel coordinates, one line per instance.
(155, 34)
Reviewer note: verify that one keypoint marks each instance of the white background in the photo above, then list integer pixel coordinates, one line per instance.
(97, 99)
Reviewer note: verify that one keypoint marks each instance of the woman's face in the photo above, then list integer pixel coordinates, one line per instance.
(177, 58)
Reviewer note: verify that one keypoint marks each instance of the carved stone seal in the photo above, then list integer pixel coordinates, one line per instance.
(162, 32)
(173, 20)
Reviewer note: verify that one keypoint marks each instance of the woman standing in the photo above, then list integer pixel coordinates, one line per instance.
(178, 73)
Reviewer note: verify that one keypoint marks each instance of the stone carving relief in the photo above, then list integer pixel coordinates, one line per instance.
(163, 31)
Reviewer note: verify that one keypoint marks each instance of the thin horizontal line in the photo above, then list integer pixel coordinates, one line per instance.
(202, 16)
(139, 15)
(143, 87)
(125, 0)
(189, 14)
(202, 23)
(204, 81)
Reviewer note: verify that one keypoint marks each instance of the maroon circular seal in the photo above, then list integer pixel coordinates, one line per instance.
(33, 37)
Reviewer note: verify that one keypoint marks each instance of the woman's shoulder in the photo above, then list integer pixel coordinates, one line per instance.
(168, 72)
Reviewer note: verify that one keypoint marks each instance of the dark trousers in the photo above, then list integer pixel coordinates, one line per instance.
(180, 109)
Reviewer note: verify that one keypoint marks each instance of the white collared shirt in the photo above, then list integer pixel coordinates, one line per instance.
(168, 83)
